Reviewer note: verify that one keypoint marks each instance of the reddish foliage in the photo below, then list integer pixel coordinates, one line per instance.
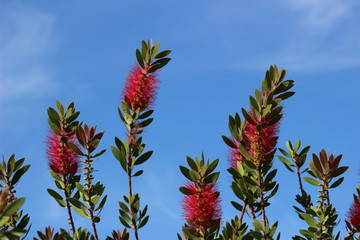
(202, 208)
(140, 88)
(353, 214)
(62, 160)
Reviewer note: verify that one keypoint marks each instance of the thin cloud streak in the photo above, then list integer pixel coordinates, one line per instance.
(26, 39)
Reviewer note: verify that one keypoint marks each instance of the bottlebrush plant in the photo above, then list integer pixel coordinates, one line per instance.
(72, 152)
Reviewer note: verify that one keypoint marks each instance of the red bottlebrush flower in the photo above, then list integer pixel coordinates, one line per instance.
(259, 143)
(234, 154)
(140, 88)
(202, 208)
(353, 214)
(62, 160)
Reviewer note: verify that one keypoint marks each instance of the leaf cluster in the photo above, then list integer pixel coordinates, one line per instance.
(131, 215)
(13, 223)
(149, 57)
(63, 120)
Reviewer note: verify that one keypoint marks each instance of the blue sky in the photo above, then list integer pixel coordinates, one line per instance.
(81, 51)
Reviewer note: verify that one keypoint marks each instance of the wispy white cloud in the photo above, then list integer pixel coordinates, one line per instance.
(322, 13)
(304, 35)
(25, 38)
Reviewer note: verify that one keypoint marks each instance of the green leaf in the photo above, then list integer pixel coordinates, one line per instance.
(297, 145)
(185, 172)
(212, 178)
(54, 127)
(247, 117)
(102, 203)
(194, 176)
(162, 62)
(125, 216)
(59, 184)
(191, 163)
(146, 122)
(237, 206)
(121, 115)
(119, 156)
(55, 175)
(77, 203)
(123, 207)
(143, 158)
(54, 194)
(285, 95)
(138, 173)
(155, 50)
(95, 199)
(80, 211)
(212, 166)
(271, 175)
(244, 152)
(309, 220)
(139, 58)
(96, 219)
(143, 222)
(257, 225)
(99, 153)
(75, 149)
(249, 181)
(19, 173)
(237, 191)
(186, 191)
(307, 233)
(274, 120)
(337, 182)
(189, 235)
(73, 116)
(254, 103)
(53, 115)
(266, 110)
(228, 141)
(163, 54)
(13, 207)
(312, 181)
(258, 96)
(144, 50)
(285, 161)
(123, 222)
(146, 114)
(80, 187)
(60, 107)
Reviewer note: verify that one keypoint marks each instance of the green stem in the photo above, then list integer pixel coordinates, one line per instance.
(89, 187)
(132, 145)
(263, 212)
(68, 206)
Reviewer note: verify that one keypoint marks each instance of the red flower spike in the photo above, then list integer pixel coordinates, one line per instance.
(258, 143)
(140, 88)
(62, 160)
(234, 154)
(202, 208)
(353, 214)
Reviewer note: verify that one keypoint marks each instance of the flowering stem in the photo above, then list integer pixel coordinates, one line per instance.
(264, 219)
(132, 145)
(88, 191)
(68, 206)
(243, 210)
(303, 193)
(352, 233)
